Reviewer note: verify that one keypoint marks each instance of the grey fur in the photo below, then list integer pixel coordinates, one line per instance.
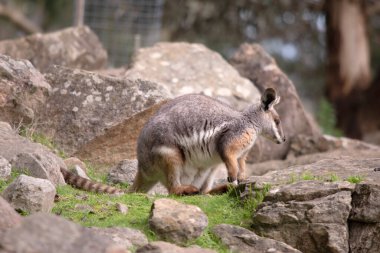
(200, 128)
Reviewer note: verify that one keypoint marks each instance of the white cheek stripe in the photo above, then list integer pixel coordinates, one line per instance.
(276, 133)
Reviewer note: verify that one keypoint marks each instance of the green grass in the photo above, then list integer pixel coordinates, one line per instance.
(355, 179)
(226, 208)
(29, 132)
(307, 175)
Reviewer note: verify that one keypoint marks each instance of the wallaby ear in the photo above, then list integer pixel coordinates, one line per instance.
(269, 99)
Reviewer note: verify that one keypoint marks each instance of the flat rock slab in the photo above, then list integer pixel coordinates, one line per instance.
(176, 222)
(76, 47)
(84, 105)
(165, 247)
(30, 194)
(28, 157)
(46, 233)
(342, 167)
(239, 239)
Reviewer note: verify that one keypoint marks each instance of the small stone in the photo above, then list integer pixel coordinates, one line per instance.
(122, 208)
(5, 168)
(177, 222)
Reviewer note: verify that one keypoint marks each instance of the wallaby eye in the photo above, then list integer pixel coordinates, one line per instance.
(277, 122)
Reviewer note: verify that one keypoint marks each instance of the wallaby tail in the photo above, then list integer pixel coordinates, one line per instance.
(88, 185)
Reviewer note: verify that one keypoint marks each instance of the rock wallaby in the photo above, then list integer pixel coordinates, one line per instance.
(181, 145)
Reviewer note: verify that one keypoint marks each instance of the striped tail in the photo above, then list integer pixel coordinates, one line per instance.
(88, 185)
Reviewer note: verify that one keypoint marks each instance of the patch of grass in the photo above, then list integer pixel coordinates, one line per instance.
(334, 177)
(30, 133)
(14, 174)
(307, 176)
(355, 179)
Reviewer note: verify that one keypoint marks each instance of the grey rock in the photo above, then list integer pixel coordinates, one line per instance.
(30, 194)
(254, 63)
(122, 208)
(45, 233)
(302, 145)
(9, 218)
(31, 158)
(239, 239)
(176, 222)
(5, 168)
(85, 106)
(366, 203)
(125, 171)
(364, 237)
(39, 164)
(23, 91)
(192, 68)
(71, 162)
(76, 47)
(126, 237)
(165, 247)
(307, 190)
(316, 225)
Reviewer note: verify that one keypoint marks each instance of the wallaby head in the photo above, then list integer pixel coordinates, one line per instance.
(270, 124)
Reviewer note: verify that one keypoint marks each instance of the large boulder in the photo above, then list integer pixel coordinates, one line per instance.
(176, 222)
(192, 68)
(30, 195)
(28, 157)
(75, 47)
(45, 233)
(254, 63)
(309, 223)
(84, 104)
(239, 239)
(23, 91)
(9, 218)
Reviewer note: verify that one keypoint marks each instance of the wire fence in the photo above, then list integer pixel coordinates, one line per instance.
(124, 25)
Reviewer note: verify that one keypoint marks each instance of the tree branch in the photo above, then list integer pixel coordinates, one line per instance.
(19, 19)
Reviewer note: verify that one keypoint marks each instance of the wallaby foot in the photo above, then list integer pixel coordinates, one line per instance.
(184, 190)
(220, 189)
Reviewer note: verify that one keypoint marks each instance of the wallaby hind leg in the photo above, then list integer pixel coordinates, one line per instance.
(173, 163)
(141, 183)
(241, 174)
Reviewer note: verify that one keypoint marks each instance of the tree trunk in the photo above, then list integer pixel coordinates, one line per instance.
(348, 72)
